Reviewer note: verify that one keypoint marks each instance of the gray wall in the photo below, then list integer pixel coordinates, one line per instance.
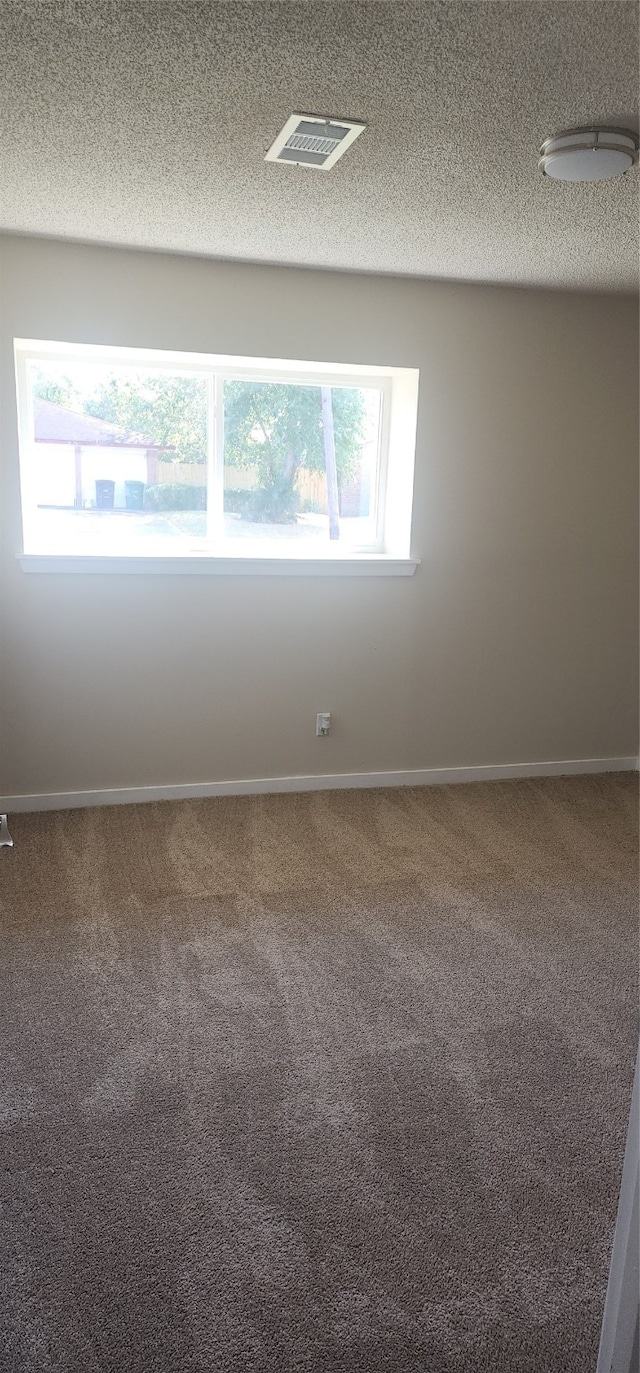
(516, 641)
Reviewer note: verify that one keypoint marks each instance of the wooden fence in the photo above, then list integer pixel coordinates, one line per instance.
(311, 486)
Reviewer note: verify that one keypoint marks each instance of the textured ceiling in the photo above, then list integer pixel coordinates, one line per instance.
(146, 124)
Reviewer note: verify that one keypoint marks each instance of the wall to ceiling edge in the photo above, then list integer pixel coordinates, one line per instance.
(517, 639)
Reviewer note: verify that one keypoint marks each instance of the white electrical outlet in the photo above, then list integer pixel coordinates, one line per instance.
(323, 723)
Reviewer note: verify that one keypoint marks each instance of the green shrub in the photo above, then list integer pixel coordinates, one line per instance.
(175, 496)
(234, 501)
(269, 505)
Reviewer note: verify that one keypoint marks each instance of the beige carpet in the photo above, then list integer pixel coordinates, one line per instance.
(325, 1082)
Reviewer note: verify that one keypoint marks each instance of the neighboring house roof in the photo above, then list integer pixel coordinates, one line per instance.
(54, 424)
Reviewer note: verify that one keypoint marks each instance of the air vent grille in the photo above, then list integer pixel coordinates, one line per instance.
(309, 140)
(307, 144)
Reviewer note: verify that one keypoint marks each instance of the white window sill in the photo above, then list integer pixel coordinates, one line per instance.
(359, 565)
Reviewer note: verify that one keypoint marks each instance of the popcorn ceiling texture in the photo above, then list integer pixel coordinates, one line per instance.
(146, 124)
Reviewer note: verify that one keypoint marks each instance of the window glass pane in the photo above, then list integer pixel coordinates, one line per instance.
(131, 453)
(301, 463)
(116, 458)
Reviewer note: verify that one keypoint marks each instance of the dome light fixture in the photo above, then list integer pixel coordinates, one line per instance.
(590, 154)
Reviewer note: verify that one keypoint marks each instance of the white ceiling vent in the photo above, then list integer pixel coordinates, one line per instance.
(310, 140)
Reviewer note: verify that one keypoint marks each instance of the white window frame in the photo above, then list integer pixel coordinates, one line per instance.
(389, 553)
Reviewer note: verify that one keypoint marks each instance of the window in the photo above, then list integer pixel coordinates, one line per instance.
(128, 453)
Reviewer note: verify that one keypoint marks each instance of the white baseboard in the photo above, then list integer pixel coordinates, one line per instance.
(418, 777)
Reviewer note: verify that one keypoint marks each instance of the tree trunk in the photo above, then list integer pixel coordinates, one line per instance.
(290, 467)
(330, 462)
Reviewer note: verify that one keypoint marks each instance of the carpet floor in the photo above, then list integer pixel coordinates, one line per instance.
(332, 1083)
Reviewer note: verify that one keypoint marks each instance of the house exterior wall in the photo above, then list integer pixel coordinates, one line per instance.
(55, 466)
(55, 473)
(111, 464)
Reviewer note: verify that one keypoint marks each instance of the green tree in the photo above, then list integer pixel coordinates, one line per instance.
(171, 410)
(278, 428)
(59, 389)
(274, 427)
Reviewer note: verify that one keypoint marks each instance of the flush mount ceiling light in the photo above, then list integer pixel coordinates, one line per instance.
(589, 154)
(310, 140)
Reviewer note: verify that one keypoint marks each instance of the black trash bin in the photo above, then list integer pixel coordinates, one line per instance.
(134, 495)
(105, 494)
